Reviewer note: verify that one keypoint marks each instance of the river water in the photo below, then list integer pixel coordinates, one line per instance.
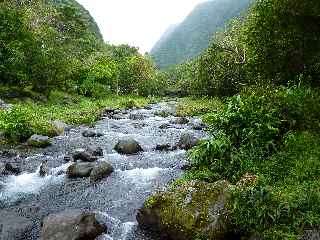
(116, 199)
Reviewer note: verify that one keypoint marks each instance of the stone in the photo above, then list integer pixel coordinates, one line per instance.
(180, 120)
(14, 227)
(80, 170)
(311, 234)
(163, 147)
(164, 126)
(197, 124)
(98, 151)
(136, 116)
(84, 155)
(163, 114)
(118, 116)
(91, 133)
(71, 224)
(128, 146)
(39, 141)
(68, 158)
(9, 167)
(44, 169)
(187, 141)
(59, 127)
(100, 171)
(175, 213)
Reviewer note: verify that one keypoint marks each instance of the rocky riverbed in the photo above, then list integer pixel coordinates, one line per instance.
(128, 155)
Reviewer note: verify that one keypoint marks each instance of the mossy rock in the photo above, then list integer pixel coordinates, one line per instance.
(190, 211)
(39, 141)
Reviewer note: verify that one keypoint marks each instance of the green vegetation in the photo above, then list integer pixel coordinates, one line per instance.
(26, 119)
(265, 70)
(190, 38)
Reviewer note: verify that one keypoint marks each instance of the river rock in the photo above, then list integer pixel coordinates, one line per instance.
(128, 146)
(187, 141)
(311, 235)
(163, 147)
(11, 168)
(71, 225)
(39, 141)
(136, 116)
(14, 227)
(179, 120)
(84, 155)
(197, 124)
(80, 170)
(118, 116)
(192, 209)
(59, 127)
(44, 169)
(164, 126)
(100, 171)
(91, 133)
(98, 151)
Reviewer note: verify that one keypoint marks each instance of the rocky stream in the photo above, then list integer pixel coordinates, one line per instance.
(138, 153)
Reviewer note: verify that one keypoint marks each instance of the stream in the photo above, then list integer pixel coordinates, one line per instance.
(115, 199)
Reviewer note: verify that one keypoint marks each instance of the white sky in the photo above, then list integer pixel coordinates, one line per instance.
(139, 23)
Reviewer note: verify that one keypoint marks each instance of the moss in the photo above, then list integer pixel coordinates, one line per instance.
(191, 210)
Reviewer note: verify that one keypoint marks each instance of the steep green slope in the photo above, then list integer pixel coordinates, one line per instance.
(82, 13)
(193, 35)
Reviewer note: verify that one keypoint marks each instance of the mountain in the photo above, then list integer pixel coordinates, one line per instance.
(164, 37)
(192, 36)
(82, 13)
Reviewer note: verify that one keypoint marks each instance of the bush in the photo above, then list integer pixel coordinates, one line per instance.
(16, 124)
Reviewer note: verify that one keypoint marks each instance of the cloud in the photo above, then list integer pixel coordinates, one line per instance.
(137, 22)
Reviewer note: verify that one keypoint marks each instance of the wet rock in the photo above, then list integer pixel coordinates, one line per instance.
(68, 158)
(98, 151)
(2, 168)
(148, 107)
(128, 146)
(163, 147)
(100, 171)
(44, 169)
(11, 168)
(118, 117)
(175, 213)
(80, 170)
(14, 227)
(180, 120)
(139, 125)
(197, 124)
(109, 110)
(311, 235)
(187, 141)
(39, 141)
(136, 116)
(84, 155)
(162, 114)
(91, 133)
(59, 127)
(71, 225)
(164, 126)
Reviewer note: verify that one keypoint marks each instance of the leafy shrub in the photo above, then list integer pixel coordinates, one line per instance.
(16, 124)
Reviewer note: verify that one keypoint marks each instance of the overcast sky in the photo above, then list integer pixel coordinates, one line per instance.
(137, 22)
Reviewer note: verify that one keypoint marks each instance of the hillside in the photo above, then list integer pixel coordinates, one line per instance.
(193, 35)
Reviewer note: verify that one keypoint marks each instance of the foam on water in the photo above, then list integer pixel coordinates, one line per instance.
(30, 183)
(141, 176)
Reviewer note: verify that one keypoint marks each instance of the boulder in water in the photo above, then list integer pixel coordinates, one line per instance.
(136, 116)
(59, 127)
(98, 151)
(13, 226)
(80, 170)
(71, 225)
(191, 209)
(100, 171)
(128, 146)
(197, 124)
(180, 120)
(164, 126)
(163, 147)
(187, 141)
(84, 155)
(11, 168)
(44, 169)
(91, 133)
(39, 141)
